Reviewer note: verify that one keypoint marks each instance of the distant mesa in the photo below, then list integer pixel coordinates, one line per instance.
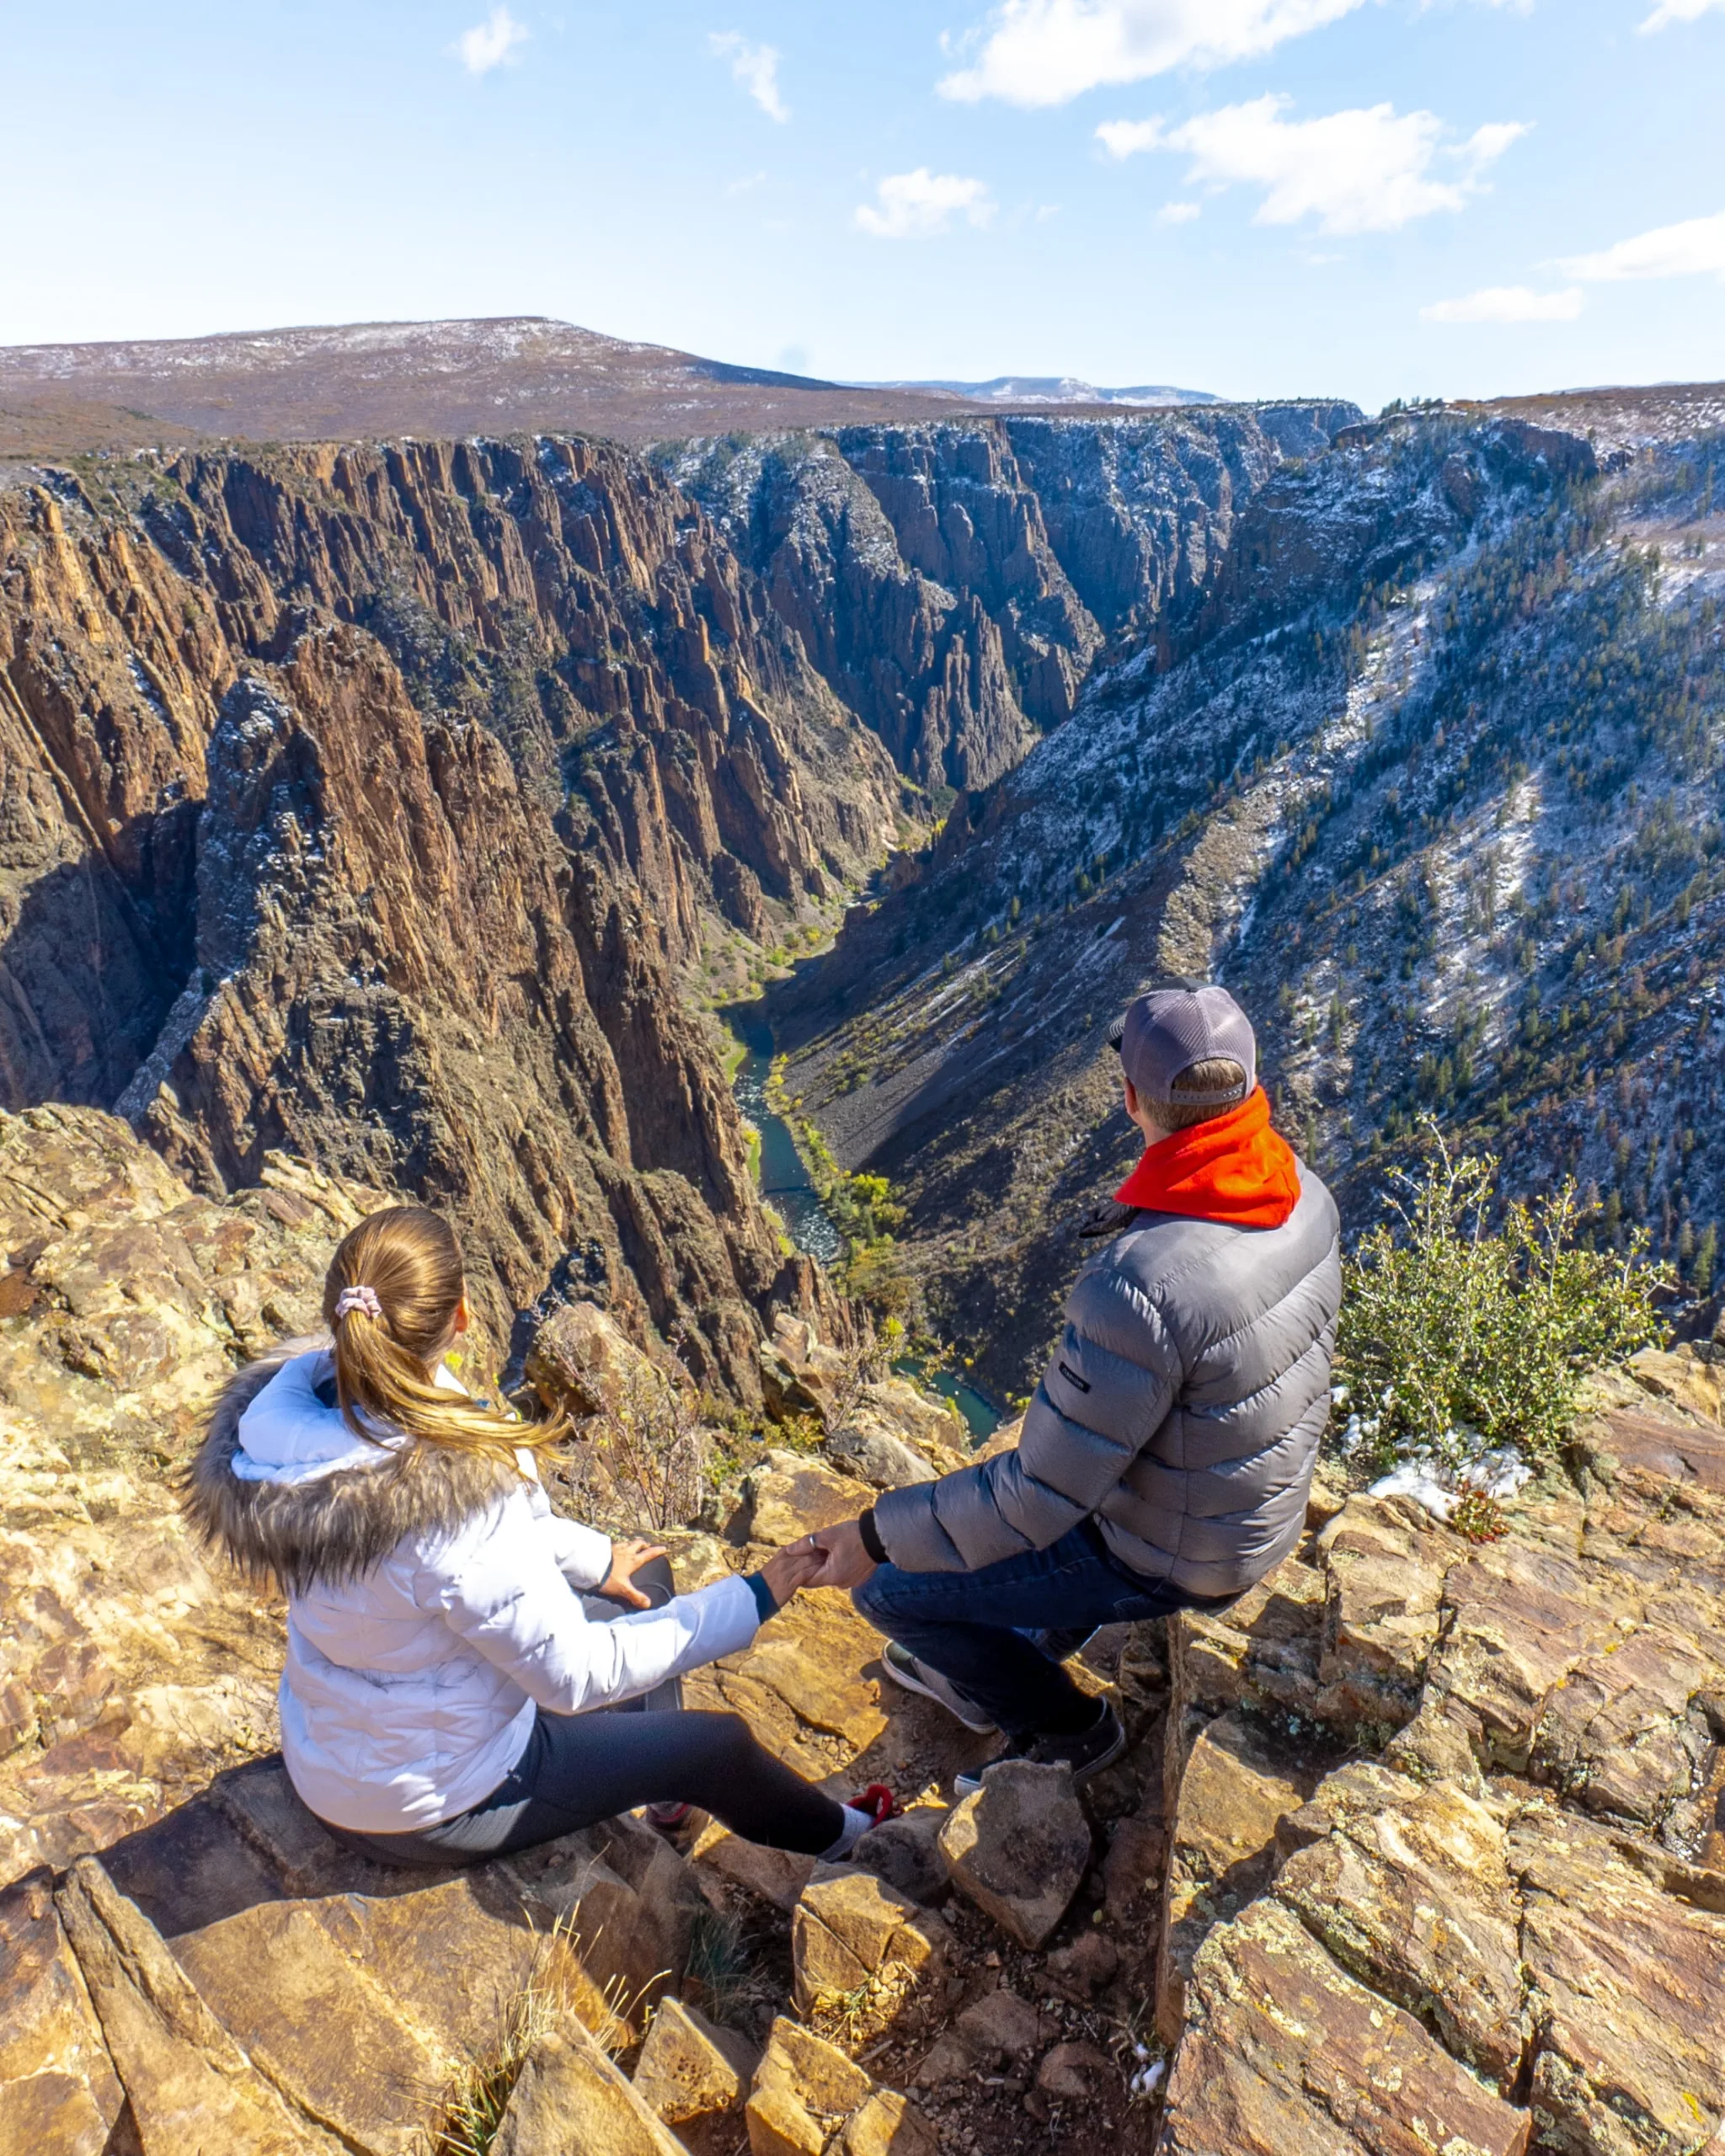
(1020, 390)
(517, 374)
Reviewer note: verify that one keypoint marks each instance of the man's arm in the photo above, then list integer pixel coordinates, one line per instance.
(1108, 1388)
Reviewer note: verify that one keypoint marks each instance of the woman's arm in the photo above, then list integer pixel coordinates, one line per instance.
(498, 1588)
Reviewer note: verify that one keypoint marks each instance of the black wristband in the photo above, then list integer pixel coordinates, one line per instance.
(871, 1537)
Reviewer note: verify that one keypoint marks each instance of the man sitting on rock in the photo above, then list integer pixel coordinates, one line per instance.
(1165, 1460)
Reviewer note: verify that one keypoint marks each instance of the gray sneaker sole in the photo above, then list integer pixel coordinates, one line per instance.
(906, 1682)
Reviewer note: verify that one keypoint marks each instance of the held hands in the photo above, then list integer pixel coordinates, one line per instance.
(846, 1562)
(791, 1568)
(627, 1558)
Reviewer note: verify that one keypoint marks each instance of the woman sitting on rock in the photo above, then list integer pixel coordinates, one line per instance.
(467, 1673)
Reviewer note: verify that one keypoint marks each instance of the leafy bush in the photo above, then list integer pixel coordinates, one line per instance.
(1456, 1332)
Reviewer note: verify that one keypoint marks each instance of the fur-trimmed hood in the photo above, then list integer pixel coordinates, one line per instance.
(295, 1494)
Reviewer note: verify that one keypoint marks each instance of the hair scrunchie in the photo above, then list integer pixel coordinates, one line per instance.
(360, 1298)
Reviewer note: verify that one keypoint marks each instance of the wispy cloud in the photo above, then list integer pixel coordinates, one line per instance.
(1507, 303)
(1680, 11)
(747, 184)
(1694, 249)
(491, 43)
(756, 67)
(1177, 213)
(1367, 170)
(1041, 52)
(915, 205)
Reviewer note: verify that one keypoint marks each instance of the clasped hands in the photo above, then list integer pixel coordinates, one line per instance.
(832, 1556)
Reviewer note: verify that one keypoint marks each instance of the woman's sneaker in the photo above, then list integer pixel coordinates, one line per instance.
(668, 1818)
(1087, 1753)
(904, 1668)
(878, 1801)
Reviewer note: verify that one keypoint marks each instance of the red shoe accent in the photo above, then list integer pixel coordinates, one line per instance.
(668, 1818)
(878, 1800)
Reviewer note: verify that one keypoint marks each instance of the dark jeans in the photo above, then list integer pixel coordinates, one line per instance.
(975, 1628)
(579, 1768)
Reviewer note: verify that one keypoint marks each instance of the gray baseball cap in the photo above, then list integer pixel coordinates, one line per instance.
(1164, 1031)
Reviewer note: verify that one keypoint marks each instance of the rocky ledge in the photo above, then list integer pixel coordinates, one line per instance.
(1417, 1848)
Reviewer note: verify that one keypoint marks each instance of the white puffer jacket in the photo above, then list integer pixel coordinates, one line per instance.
(432, 1603)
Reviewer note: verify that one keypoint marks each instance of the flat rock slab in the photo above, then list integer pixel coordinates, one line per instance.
(1286, 2054)
(1019, 1848)
(789, 1496)
(1411, 1892)
(1628, 1992)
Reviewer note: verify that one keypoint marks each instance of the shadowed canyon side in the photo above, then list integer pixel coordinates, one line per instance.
(1430, 776)
(352, 812)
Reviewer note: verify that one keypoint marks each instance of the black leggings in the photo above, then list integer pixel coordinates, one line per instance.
(578, 1769)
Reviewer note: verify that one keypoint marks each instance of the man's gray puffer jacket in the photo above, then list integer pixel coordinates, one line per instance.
(1183, 1408)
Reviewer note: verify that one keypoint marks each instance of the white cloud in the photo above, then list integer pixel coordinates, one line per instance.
(1039, 52)
(489, 44)
(756, 67)
(1507, 303)
(1679, 11)
(1177, 213)
(747, 184)
(911, 204)
(1694, 249)
(1367, 170)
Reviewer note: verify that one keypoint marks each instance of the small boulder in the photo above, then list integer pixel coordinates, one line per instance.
(569, 2095)
(906, 1853)
(774, 1875)
(789, 1496)
(851, 1927)
(1001, 2025)
(581, 1360)
(801, 2086)
(695, 2076)
(1019, 1847)
(1073, 2073)
(1082, 1969)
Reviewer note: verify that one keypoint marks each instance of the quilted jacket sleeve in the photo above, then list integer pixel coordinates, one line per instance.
(499, 1587)
(1106, 1389)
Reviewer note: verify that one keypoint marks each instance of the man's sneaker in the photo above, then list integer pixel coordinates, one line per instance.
(1087, 1753)
(904, 1668)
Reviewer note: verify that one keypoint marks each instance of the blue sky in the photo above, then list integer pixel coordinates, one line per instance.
(1374, 198)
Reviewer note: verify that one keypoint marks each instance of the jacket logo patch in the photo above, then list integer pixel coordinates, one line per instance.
(1073, 1377)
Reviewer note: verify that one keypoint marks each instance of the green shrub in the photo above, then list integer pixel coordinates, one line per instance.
(1452, 1326)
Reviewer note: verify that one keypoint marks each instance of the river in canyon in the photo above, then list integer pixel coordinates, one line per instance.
(786, 1186)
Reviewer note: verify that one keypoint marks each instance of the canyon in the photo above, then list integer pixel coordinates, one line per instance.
(393, 807)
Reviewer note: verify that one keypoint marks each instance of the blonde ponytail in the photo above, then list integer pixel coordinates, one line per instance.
(390, 1301)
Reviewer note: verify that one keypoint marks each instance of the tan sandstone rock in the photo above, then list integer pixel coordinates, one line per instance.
(790, 1495)
(1287, 2056)
(695, 2076)
(849, 1926)
(58, 2089)
(805, 2089)
(1019, 1847)
(1236, 1789)
(570, 2099)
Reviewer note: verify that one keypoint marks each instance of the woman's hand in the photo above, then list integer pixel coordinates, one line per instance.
(792, 1567)
(627, 1558)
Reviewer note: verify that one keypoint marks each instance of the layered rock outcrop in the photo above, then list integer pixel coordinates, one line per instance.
(413, 898)
(956, 582)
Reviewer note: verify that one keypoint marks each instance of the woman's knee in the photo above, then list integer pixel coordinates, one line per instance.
(655, 1579)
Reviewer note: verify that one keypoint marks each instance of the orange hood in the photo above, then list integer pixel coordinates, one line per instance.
(1233, 1168)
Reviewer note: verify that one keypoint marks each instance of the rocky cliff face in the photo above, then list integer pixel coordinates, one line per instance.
(955, 583)
(1428, 775)
(355, 811)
